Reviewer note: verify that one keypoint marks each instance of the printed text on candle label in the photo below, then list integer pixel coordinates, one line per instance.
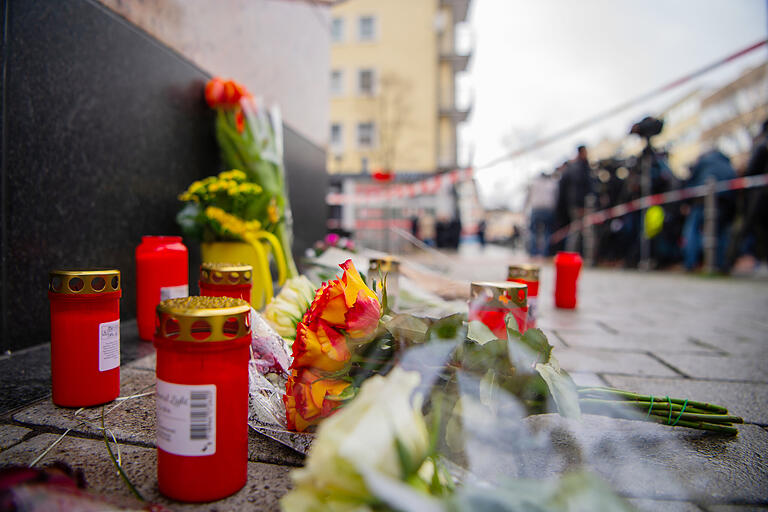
(174, 292)
(109, 345)
(186, 418)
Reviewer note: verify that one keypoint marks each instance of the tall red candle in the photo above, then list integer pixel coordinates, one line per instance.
(162, 272)
(226, 280)
(202, 397)
(85, 336)
(491, 302)
(567, 268)
(529, 276)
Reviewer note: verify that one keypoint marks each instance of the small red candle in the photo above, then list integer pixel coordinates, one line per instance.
(491, 302)
(162, 272)
(529, 276)
(202, 397)
(226, 280)
(85, 336)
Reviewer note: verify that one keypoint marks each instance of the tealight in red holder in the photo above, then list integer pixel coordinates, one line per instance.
(85, 336)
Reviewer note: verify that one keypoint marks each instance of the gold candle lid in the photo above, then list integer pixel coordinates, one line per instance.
(526, 272)
(81, 282)
(226, 273)
(503, 294)
(386, 264)
(203, 319)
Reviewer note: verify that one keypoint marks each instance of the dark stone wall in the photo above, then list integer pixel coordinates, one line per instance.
(102, 127)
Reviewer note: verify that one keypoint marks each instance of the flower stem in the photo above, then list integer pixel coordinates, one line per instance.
(647, 398)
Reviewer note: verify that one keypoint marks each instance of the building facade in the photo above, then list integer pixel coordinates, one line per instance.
(681, 136)
(393, 106)
(732, 115)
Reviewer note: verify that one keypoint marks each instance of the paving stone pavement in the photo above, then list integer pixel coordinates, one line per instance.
(661, 333)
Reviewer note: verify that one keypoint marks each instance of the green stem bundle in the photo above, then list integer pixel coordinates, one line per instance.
(618, 403)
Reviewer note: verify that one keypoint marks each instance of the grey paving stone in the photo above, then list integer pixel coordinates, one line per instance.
(129, 420)
(650, 461)
(719, 367)
(748, 400)
(133, 421)
(11, 434)
(735, 508)
(553, 339)
(611, 361)
(145, 363)
(266, 482)
(587, 379)
(636, 342)
(643, 505)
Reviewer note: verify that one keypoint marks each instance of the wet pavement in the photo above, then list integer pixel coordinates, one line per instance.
(662, 333)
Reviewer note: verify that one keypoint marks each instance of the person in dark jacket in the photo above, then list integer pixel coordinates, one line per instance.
(711, 165)
(752, 235)
(576, 184)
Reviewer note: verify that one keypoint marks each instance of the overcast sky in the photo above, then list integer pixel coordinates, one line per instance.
(540, 66)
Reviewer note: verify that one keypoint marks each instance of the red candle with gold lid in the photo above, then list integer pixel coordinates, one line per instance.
(202, 397)
(226, 280)
(85, 336)
(527, 275)
(491, 302)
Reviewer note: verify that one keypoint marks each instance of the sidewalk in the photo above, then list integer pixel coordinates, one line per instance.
(667, 334)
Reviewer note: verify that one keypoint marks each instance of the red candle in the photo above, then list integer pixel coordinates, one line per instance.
(529, 276)
(85, 336)
(491, 302)
(162, 272)
(567, 267)
(226, 280)
(202, 397)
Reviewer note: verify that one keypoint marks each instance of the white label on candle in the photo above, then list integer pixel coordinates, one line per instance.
(186, 418)
(174, 292)
(109, 345)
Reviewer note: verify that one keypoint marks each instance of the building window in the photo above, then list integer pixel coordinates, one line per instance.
(337, 82)
(365, 81)
(365, 135)
(337, 30)
(366, 28)
(337, 138)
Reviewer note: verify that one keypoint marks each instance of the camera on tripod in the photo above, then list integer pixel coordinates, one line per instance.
(648, 127)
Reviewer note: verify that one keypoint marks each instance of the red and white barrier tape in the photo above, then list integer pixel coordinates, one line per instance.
(672, 196)
(429, 186)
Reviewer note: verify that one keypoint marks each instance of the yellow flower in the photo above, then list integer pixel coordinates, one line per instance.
(272, 211)
(233, 224)
(194, 187)
(234, 174)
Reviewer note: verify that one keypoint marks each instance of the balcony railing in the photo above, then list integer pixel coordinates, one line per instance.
(459, 7)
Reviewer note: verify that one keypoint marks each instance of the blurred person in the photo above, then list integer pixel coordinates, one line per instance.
(576, 184)
(750, 240)
(562, 216)
(541, 200)
(711, 165)
(427, 229)
(481, 232)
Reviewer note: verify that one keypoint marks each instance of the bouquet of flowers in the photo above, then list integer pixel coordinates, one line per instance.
(250, 202)
(347, 336)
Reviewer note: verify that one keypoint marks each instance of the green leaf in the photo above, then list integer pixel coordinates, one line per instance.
(404, 457)
(561, 387)
(479, 332)
(512, 329)
(537, 340)
(407, 327)
(189, 219)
